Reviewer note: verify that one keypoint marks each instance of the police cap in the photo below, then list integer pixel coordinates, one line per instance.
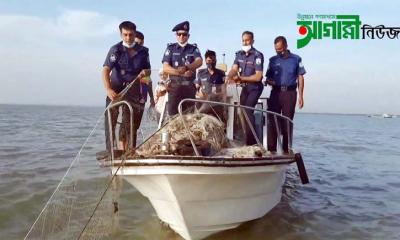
(183, 26)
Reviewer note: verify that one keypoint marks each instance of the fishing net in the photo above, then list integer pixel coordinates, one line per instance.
(76, 197)
(84, 205)
(202, 127)
(242, 152)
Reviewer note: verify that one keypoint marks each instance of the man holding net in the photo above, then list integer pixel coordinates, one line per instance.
(126, 63)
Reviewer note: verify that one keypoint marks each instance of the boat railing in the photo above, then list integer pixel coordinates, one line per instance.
(277, 122)
(110, 125)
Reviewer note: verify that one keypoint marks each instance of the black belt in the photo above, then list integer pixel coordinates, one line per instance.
(250, 83)
(181, 82)
(284, 88)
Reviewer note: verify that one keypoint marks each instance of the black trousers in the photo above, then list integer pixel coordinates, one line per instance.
(282, 102)
(124, 130)
(249, 97)
(176, 93)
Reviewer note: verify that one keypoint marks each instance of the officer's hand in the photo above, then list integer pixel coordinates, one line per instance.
(301, 102)
(197, 86)
(229, 81)
(237, 79)
(182, 70)
(142, 74)
(188, 73)
(270, 82)
(112, 94)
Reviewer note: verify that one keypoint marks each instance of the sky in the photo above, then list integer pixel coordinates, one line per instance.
(52, 52)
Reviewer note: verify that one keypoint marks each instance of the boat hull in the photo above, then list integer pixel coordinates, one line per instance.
(197, 201)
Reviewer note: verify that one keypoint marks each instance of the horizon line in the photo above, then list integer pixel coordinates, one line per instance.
(99, 106)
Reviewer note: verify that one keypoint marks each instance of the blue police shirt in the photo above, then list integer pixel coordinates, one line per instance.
(207, 80)
(250, 63)
(284, 71)
(125, 68)
(177, 56)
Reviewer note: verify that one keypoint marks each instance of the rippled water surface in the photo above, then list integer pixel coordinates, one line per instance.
(353, 163)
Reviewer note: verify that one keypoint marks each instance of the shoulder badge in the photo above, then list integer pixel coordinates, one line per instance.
(113, 57)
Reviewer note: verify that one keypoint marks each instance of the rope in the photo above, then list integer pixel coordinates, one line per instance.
(120, 96)
(122, 93)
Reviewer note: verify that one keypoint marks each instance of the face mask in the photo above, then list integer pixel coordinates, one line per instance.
(210, 65)
(183, 44)
(281, 54)
(246, 48)
(127, 45)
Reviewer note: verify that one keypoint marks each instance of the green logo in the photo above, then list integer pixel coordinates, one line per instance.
(327, 26)
(339, 27)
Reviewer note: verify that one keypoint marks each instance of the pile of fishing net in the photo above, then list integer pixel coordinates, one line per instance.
(207, 132)
(242, 152)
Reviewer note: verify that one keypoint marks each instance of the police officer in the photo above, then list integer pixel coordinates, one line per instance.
(285, 74)
(180, 62)
(125, 62)
(210, 82)
(146, 83)
(247, 70)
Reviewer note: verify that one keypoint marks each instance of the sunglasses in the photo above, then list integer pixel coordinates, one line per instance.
(184, 34)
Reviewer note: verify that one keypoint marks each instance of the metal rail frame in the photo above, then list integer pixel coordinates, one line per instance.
(109, 107)
(276, 115)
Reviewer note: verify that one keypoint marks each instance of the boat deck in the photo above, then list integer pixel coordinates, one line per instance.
(226, 161)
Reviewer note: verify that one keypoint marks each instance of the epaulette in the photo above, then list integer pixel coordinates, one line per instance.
(145, 48)
(258, 53)
(273, 58)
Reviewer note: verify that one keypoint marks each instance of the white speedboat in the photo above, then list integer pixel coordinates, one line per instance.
(200, 193)
(386, 115)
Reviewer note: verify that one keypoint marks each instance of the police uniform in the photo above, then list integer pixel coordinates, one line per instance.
(177, 56)
(213, 86)
(284, 72)
(248, 64)
(208, 82)
(124, 69)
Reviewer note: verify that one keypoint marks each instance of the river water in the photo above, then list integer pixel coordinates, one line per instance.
(353, 163)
